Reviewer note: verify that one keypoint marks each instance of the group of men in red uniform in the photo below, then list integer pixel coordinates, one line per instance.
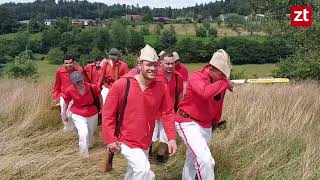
(157, 99)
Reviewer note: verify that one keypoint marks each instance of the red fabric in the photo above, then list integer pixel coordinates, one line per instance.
(63, 81)
(172, 84)
(182, 69)
(199, 101)
(139, 116)
(83, 105)
(110, 72)
(92, 73)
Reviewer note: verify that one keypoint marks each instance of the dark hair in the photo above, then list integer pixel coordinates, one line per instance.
(68, 57)
(97, 58)
(166, 54)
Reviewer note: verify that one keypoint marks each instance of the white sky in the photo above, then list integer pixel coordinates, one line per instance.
(150, 3)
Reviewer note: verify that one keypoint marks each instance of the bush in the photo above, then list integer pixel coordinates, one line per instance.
(201, 32)
(21, 67)
(302, 65)
(246, 51)
(145, 30)
(130, 60)
(167, 41)
(55, 56)
(212, 32)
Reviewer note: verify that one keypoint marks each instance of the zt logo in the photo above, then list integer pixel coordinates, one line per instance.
(301, 16)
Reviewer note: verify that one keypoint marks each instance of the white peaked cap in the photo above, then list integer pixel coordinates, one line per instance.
(161, 53)
(148, 54)
(221, 60)
(176, 56)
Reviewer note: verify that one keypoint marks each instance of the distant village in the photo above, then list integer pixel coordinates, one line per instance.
(162, 19)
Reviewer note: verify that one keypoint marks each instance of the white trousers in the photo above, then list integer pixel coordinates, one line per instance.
(159, 133)
(86, 127)
(104, 93)
(199, 160)
(67, 126)
(138, 163)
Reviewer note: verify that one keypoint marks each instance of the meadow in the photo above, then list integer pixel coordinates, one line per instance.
(272, 133)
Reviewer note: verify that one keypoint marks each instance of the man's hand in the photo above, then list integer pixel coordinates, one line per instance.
(114, 147)
(172, 147)
(64, 117)
(231, 85)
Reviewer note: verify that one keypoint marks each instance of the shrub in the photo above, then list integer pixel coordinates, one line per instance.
(302, 65)
(55, 56)
(21, 67)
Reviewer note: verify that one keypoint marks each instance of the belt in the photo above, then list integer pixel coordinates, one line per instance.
(185, 115)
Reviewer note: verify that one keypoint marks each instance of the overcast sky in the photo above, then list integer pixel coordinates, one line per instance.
(150, 3)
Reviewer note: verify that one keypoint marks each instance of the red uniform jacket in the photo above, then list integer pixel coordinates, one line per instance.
(203, 100)
(84, 105)
(182, 70)
(139, 116)
(109, 72)
(92, 73)
(63, 81)
(175, 84)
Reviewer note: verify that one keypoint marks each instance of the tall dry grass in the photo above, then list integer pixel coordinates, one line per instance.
(273, 133)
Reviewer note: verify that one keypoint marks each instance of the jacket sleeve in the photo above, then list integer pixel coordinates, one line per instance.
(125, 69)
(109, 112)
(101, 75)
(87, 72)
(218, 110)
(56, 87)
(205, 90)
(67, 95)
(167, 116)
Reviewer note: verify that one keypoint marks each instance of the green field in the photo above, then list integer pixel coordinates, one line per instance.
(249, 70)
(47, 70)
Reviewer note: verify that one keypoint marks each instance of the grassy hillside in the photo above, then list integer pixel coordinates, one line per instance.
(272, 133)
(188, 29)
(47, 70)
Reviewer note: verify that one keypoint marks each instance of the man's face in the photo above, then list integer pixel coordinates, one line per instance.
(148, 69)
(168, 64)
(68, 63)
(113, 58)
(78, 84)
(97, 63)
(216, 74)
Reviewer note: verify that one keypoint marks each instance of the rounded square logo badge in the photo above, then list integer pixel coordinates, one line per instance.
(301, 16)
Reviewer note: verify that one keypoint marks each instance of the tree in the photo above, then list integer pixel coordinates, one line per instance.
(55, 56)
(119, 36)
(234, 21)
(36, 24)
(136, 41)
(201, 32)
(212, 32)
(168, 40)
(148, 17)
(63, 25)
(103, 39)
(145, 30)
(8, 21)
(51, 38)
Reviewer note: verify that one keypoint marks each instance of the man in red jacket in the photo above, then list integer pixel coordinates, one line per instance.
(181, 69)
(112, 69)
(92, 71)
(147, 99)
(201, 108)
(174, 81)
(62, 82)
(84, 111)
